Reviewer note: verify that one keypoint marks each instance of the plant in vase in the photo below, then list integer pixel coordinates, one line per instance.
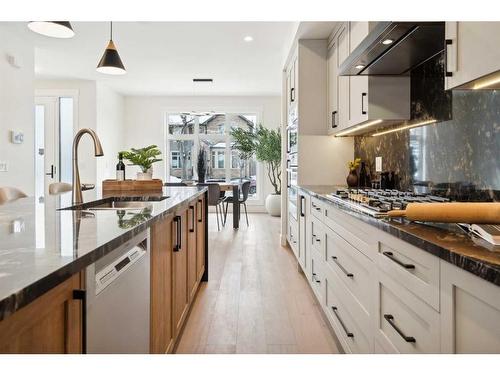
(352, 178)
(266, 145)
(201, 166)
(144, 158)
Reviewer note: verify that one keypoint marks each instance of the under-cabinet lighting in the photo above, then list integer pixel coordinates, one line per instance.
(355, 129)
(489, 82)
(359, 66)
(405, 127)
(387, 41)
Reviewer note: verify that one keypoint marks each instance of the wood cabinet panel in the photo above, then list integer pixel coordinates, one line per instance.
(200, 237)
(50, 325)
(162, 335)
(191, 250)
(180, 270)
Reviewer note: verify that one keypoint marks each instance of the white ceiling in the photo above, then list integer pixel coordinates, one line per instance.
(162, 58)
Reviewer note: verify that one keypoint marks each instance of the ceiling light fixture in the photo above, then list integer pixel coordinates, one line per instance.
(356, 128)
(53, 29)
(427, 122)
(359, 66)
(110, 62)
(387, 41)
(248, 38)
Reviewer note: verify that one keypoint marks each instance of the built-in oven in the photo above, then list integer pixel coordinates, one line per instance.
(291, 171)
(292, 202)
(292, 139)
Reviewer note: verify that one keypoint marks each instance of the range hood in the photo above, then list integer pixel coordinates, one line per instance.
(395, 48)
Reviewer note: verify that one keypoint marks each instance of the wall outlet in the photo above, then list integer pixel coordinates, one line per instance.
(4, 166)
(378, 164)
(16, 137)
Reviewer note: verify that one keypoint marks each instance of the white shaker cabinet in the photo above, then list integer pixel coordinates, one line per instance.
(471, 52)
(470, 312)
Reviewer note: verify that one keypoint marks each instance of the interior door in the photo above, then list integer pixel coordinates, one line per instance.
(46, 143)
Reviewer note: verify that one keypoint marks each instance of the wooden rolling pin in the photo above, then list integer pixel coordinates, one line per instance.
(453, 212)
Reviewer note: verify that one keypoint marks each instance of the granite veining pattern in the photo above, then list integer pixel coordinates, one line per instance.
(41, 245)
(445, 241)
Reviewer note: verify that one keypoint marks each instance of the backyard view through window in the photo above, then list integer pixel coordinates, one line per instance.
(188, 133)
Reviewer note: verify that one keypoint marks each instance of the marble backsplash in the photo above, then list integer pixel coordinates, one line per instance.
(458, 156)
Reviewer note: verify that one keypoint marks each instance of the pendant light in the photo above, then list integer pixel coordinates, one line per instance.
(110, 62)
(54, 29)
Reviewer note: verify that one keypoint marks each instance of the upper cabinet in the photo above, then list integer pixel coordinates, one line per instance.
(472, 55)
(358, 102)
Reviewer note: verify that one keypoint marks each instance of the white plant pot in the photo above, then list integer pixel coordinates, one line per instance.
(273, 204)
(144, 176)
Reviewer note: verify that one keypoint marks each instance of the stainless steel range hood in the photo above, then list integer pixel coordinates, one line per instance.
(395, 48)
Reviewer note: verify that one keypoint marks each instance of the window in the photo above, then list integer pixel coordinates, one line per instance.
(188, 133)
(175, 159)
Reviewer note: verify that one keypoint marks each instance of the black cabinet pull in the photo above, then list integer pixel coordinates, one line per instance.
(178, 240)
(390, 319)
(316, 279)
(348, 274)
(348, 334)
(52, 171)
(390, 255)
(200, 211)
(448, 42)
(191, 230)
(334, 125)
(363, 96)
(302, 199)
(292, 94)
(81, 295)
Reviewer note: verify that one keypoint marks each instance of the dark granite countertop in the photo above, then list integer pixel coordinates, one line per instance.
(445, 241)
(41, 246)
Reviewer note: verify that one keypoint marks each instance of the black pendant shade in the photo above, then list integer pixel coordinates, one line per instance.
(54, 29)
(110, 62)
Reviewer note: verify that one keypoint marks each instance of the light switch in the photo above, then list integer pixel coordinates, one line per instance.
(378, 164)
(16, 137)
(3, 166)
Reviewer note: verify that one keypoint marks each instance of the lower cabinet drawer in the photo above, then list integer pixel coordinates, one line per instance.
(317, 276)
(352, 327)
(405, 323)
(317, 208)
(293, 234)
(317, 236)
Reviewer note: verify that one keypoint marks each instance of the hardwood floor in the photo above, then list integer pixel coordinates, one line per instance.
(255, 301)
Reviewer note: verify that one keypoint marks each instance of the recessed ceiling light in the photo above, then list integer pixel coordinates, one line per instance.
(387, 41)
(359, 66)
(54, 29)
(248, 38)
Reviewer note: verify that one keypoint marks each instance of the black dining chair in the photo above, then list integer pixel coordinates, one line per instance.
(245, 188)
(215, 199)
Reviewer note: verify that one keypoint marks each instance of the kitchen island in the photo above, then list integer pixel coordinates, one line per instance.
(45, 246)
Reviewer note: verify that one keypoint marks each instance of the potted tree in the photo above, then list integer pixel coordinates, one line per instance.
(144, 159)
(266, 145)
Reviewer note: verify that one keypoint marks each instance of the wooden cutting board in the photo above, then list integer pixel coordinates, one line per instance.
(139, 186)
(453, 212)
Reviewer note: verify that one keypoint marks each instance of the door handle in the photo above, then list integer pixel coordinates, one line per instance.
(448, 42)
(81, 295)
(363, 96)
(334, 125)
(390, 319)
(292, 94)
(302, 198)
(192, 219)
(200, 215)
(178, 240)
(52, 171)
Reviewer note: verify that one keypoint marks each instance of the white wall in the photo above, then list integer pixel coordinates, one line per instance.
(17, 112)
(145, 119)
(110, 114)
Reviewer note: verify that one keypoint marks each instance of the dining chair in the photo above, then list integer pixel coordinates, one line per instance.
(59, 187)
(245, 189)
(214, 199)
(9, 194)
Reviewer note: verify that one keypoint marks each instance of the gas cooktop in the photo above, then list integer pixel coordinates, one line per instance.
(377, 202)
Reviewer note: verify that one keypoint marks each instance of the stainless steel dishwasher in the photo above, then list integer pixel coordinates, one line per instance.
(118, 301)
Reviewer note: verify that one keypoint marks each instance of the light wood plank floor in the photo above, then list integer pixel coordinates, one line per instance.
(255, 301)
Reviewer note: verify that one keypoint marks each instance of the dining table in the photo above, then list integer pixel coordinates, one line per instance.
(235, 188)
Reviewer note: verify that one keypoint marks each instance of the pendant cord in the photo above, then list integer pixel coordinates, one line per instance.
(111, 27)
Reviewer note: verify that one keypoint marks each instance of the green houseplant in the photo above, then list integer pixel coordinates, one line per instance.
(144, 159)
(265, 144)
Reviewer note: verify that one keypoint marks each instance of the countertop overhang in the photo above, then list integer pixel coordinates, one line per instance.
(42, 245)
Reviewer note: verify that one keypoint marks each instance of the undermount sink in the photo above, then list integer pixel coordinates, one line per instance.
(118, 203)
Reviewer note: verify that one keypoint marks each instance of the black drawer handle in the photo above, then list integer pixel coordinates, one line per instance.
(318, 239)
(363, 96)
(191, 230)
(334, 125)
(348, 334)
(448, 42)
(81, 295)
(390, 319)
(200, 214)
(302, 199)
(315, 278)
(178, 240)
(348, 274)
(390, 255)
(292, 94)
